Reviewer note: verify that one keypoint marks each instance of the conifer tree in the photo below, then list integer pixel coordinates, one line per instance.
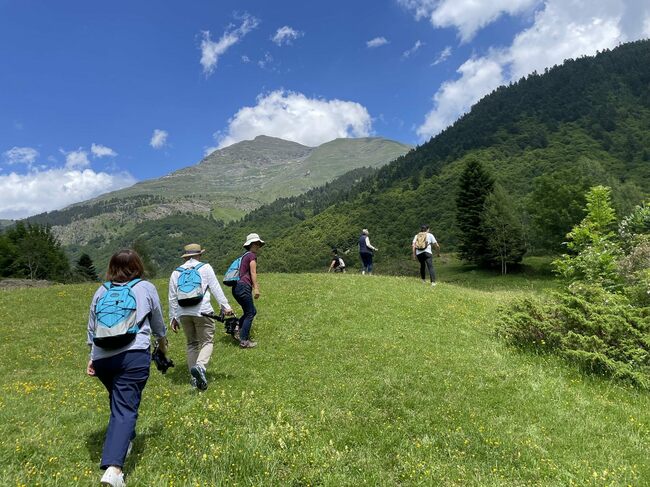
(86, 268)
(474, 187)
(504, 230)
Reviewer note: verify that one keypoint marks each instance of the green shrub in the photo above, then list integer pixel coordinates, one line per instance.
(600, 331)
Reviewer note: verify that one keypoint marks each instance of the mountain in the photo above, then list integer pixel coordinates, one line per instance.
(223, 186)
(546, 139)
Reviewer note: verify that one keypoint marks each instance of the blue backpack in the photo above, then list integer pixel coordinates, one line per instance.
(190, 287)
(116, 316)
(231, 277)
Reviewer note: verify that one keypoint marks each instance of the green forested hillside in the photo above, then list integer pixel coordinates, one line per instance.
(545, 139)
(225, 185)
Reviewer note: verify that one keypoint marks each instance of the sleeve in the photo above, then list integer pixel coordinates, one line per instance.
(368, 244)
(155, 318)
(414, 239)
(432, 239)
(215, 287)
(92, 320)
(173, 297)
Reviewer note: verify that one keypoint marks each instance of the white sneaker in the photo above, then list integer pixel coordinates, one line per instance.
(113, 478)
(433, 284)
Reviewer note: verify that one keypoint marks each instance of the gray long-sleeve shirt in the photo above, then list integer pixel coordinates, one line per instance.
(148, 313)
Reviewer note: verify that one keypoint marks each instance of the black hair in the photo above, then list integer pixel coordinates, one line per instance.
(424, 228)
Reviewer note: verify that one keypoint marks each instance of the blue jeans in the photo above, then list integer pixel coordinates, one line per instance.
(124, 375)
(243, 294)
(366, 261)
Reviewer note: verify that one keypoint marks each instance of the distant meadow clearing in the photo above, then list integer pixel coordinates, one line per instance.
(357, 380)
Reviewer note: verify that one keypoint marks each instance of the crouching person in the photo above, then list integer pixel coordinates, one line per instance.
(124, 313)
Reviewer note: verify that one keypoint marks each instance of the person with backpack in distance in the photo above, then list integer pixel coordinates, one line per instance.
(422, 250)
(366, 252)
(190, 286)
(337, 263)
(124, 313)
(242, 276)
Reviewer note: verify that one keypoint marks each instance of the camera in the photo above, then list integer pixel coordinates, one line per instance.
(162, 363)
(230, 323)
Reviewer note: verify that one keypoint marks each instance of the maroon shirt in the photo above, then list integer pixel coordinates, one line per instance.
(245, 268)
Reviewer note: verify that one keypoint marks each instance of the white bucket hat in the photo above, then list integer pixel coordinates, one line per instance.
(253, 237)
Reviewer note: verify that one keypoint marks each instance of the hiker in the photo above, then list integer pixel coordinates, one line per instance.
(190, 286)
(366, 252)
(248, 288)
(337, 263)
(124, 313)
(422, 250)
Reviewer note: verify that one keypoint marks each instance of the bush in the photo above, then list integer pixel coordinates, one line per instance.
(601, 319)
(600, 331)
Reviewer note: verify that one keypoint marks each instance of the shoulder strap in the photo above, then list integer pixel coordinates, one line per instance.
(108, 285)
(132, 283)
(199, 265)
(180, 269)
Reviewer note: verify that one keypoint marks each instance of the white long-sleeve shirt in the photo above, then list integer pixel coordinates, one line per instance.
(209, 283)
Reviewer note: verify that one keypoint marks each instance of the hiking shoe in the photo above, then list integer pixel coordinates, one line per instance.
(236, 336)
(247, 344)
(193, 382)
(433, 284)
(113, 478)
(198, 373)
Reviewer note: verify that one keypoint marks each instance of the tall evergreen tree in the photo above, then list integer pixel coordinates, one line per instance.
(38, 253)
(504, 230)
(475, 185)
(85, 268)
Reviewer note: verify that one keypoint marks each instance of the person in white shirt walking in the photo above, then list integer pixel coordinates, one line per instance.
(422, 250)
(190, 286)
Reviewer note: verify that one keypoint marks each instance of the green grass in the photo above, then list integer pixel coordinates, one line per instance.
(356, 380)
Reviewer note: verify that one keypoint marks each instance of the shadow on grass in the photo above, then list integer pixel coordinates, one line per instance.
(95, 443)
(179, 374)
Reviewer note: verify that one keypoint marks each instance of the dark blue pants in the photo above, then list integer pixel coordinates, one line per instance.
(426, 258)
(366, 261)
(243, 294)
(124, 376)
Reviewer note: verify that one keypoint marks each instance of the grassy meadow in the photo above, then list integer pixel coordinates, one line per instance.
(357, 380)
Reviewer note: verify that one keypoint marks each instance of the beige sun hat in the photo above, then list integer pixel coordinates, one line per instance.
(253, 237)
(192, 250)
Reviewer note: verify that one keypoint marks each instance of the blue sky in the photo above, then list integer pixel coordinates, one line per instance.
(97, 95)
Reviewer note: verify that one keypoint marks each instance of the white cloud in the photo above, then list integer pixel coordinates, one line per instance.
(99, 150)
(418, 44)
(265, 61)
(210, 50)
(293, 116)
(376, 42)
(38, 191)
(245, 59)
(158, 139)
(443, 56)
(20, 155)
(478, 77)
(468, 16)
(563, 29)
(77, 159)
(286, 35)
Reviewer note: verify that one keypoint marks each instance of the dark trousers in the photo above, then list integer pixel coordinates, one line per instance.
(366, 261)
(124, 376)
(243, 294)
(427, 258)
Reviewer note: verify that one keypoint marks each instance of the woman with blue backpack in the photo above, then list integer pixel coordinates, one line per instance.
(243, 277)
(124, 313)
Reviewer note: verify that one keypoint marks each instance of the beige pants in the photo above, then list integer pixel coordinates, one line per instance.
(199, 332)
